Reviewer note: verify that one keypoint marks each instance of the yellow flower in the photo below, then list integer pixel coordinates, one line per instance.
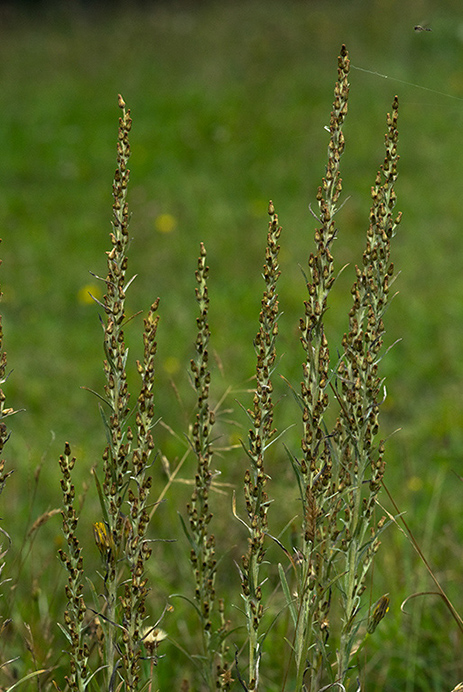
(104, 542)
(165, 223)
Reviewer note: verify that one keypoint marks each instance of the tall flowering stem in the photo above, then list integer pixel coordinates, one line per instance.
(260, 437)
(202, 542)
(341, 470)
(314, 470)
(360, 387)
(121, 536)
(116, 468)
(137, 549)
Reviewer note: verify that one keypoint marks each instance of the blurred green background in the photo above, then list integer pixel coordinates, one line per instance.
(229, 102)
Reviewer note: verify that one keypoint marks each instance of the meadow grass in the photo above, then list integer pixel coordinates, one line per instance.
(198, 129)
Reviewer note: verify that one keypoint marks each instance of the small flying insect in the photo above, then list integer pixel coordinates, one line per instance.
(418, 27)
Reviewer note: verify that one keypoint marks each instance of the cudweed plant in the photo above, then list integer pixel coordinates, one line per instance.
(126, 483)
(360, 388)
(260, 438)
(124, 492)
(203, 558)
(314, 470)
(338, 475)
(339, 470)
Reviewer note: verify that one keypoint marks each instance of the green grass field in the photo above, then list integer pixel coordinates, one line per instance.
(229, 103)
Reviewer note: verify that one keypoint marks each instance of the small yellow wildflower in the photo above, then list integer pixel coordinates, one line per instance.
(104, 542)
(165, 223)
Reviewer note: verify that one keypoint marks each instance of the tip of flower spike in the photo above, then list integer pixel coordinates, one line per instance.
(121, 101)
